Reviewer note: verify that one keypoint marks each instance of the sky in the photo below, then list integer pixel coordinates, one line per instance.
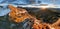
(49, 1)
(25, 1)
(6, 11)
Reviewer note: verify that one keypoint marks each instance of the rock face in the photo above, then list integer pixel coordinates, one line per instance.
(47, 15)
(4, 22)
(18, 14)
(30, 19)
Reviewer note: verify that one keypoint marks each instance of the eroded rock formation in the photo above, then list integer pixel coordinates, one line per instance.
(20, 15)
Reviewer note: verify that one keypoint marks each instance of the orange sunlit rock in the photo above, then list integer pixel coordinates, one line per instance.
(38, 25)
(56, 25)
(18, 14)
